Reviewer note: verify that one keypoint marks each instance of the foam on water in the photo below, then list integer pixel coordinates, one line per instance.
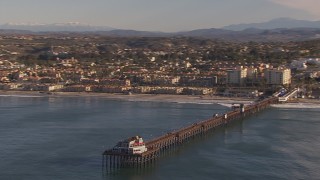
(208, 102)
(194, 102)
(297, 106)
(225, 104)
(27, 96)
(230, 104)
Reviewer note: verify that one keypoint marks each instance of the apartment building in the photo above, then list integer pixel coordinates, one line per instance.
(237, 76)
(279, 76)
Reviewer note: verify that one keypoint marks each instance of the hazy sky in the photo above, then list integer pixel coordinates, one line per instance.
(156, 15)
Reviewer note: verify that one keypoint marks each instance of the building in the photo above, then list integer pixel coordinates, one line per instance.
(134, 145)
(77, 88)
(42, 87)
(242, 92)
(252, 73)
(237, 76)
(115, 82)
(278, 76)
(10, 86)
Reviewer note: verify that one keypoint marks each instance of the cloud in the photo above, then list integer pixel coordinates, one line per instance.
(311, 6)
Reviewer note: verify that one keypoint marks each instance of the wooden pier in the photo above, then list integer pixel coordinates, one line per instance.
(169, 141)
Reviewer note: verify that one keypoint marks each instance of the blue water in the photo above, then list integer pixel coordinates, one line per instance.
(63, 138)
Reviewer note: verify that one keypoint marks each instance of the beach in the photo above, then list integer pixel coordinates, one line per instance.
(135, 97)
(196, 99)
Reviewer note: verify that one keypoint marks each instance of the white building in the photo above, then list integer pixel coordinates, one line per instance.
(134, 145)
(278, 76)
(237, 76)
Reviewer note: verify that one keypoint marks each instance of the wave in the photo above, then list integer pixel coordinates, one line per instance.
(225, 104)
(28, 96)
(194, 102)
(231, 104)
(285, 106)
(297, 106)
(170, 101)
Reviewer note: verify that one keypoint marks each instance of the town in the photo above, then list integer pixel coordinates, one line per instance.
(80, 62)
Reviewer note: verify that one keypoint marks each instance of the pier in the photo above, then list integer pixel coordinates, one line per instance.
(113, 159)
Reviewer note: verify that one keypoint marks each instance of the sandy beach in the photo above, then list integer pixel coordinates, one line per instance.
(135, 97)
(226, 101)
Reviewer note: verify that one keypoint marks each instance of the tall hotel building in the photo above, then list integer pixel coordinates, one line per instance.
(278, 76)
(237, 76)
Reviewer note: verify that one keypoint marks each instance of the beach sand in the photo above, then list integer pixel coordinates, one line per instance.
(136, 97)
(206, 99)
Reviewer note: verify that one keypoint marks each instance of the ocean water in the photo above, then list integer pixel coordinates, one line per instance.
(63, 138)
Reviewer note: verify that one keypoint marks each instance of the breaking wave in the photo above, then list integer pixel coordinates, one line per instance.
(297, 106)
(225, 104)
(27, 96)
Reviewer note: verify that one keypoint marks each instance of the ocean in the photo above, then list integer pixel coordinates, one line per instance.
(64, 137)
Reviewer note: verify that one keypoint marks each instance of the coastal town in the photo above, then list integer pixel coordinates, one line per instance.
(158, 90)
(176, 65)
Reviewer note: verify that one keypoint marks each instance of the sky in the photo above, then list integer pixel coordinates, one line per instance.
(156, 15)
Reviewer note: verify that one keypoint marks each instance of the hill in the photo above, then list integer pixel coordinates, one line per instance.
(288, 23)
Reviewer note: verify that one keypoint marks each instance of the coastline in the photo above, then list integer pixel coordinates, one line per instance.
(136, 97)
(195, 99)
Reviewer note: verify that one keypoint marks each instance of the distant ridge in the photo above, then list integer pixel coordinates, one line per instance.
(283, 29)
(280, 23)
(133, 33)
(57, 27)
(14, 31)
(206, 32)
(276, 24)
(257, 35)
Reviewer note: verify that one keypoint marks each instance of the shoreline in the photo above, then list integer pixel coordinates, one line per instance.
(136, 97)
(196, 99)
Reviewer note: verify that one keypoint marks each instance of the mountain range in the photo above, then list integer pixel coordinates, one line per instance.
(282, 29)
(57, 27)
(276, 24)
